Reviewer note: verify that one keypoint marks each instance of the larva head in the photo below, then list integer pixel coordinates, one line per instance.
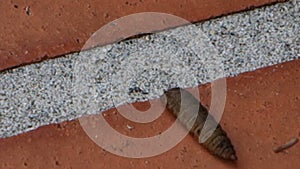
(220, 145)
(226, 151)
(229, 154)
(233, 157)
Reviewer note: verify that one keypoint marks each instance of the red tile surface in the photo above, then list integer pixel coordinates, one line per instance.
(34, 30)
(262, 111)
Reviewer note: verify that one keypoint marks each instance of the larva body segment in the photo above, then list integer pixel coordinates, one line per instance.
(183, 105)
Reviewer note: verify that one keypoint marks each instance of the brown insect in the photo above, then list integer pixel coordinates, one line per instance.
(193, 116)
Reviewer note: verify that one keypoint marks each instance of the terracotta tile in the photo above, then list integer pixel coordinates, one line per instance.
(32, 30)
(262, 112)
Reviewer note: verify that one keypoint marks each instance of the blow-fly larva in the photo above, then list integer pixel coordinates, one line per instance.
(181, 103)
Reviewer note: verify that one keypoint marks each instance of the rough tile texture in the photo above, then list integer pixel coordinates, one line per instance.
(262, 111)
(93, 81)
(33, 30)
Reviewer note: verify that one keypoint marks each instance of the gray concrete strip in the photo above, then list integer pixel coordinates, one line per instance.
(139, 69)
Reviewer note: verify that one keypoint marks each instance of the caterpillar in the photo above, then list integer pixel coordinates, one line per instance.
(215, 141)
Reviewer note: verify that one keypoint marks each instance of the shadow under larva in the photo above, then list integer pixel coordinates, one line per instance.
(216, 141)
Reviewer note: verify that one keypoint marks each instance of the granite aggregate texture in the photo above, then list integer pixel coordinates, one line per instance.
(140, 69)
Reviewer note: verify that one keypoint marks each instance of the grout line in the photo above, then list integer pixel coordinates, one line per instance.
(98, 79)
